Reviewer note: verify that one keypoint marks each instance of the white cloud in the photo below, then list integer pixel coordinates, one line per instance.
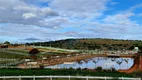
(133, 8)
(79, 9)
(117, 26)
(19, 12)
(54, 22)
(26, 19)
(28, 15)
(71, 33)
(119, 18)
(79, 5)
(22, 32)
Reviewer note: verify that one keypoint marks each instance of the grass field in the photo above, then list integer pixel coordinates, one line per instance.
(10, 56)
(78, 72)
(18, 50)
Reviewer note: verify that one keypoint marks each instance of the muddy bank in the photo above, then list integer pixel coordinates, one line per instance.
(60, 60)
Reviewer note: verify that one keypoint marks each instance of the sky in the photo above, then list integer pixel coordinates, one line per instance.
(46, 20)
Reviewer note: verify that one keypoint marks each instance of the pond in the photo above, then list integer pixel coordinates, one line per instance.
(104, 62)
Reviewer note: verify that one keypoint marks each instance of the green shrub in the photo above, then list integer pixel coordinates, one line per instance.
(99, 68)
(72, 72)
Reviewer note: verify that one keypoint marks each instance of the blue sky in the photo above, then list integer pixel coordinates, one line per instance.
(45, 20)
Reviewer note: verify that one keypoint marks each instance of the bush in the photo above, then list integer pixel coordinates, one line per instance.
(41, 66)
(99, 68)
(113, 69)
(78, 69)
(72, 72)
(109, 70)
(137, 74)
(34, 51)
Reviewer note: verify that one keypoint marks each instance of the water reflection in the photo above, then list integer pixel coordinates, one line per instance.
(95, 61)
(104, 62)
(119, 62)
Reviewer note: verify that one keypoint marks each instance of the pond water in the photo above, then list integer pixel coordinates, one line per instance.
(104, 62)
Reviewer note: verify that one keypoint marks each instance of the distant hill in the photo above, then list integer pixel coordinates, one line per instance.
(93, 43)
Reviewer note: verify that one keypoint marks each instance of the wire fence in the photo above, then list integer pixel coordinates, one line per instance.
(7, 59)
(12, 64)
(12, 52)
(92, 51)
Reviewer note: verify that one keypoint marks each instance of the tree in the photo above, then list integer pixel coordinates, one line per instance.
(131, 47)
(34, 52)
(126, 60)
(6, 42)
(95, 61)
(119, 62)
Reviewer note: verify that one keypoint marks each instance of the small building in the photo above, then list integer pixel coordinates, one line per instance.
(44, 58)
(27, 60)
(32, 65)
(4, 46)
(136, 48)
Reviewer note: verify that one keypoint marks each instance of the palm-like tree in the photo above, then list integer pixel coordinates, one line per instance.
(33, 53)
(80, 62)
(113, 59)
(119, 62)
(86, 61)
(126, 60)
(95, 61)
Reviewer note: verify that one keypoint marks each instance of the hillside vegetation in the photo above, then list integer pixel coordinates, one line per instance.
(94, 43)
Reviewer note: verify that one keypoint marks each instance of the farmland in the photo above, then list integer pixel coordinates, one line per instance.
(50, 56)
(92, 44)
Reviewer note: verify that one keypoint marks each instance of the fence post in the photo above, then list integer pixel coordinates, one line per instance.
(33, 77)
(122, 77)
(69, 77)
(138, 79)
(20, 77)
(4, 77)
(50, 77)
(105, 78)
(87, 78)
